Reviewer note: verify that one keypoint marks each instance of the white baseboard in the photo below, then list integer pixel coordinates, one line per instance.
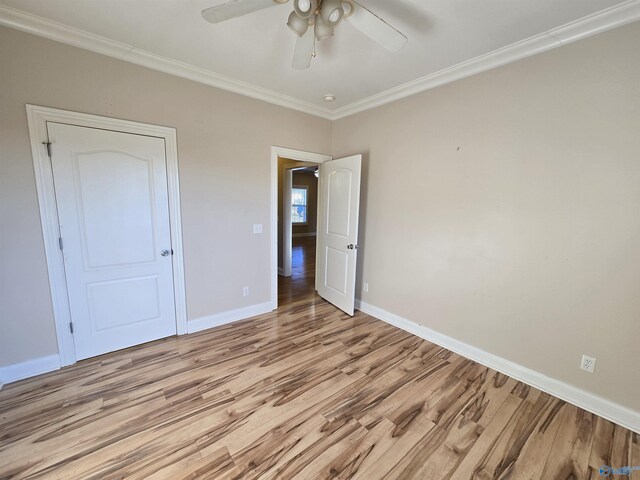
(37, 366)
(210, 321)
(30, 368)
(281, 271)
(588, 401)
(309, 234)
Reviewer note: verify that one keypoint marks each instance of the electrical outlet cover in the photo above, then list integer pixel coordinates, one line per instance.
(588, 364)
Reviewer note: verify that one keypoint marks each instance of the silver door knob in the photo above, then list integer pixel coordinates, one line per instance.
(164, 253)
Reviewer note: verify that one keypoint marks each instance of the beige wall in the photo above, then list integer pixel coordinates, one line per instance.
(224, 148)
(309, 180)
(504, 210)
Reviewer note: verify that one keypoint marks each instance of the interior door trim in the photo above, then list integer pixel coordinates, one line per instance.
(37, 119)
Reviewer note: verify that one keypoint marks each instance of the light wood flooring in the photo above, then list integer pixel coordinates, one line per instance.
(303, 272)
(303, 392)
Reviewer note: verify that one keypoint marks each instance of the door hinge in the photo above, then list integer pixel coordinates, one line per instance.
(48, 144)
(71, 327)
(60, 244)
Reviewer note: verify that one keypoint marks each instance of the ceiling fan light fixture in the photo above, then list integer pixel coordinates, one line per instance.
(347, 8)
(304, 8)
(322, 29)
(332, 11)
(298, 24)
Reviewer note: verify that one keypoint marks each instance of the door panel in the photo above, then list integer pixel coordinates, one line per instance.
(338, 231)
(339, 202)
(110, 238)
(336, 271)
(111, 193)
(138, 302)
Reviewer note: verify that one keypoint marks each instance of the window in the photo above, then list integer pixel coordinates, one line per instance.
(299, 205)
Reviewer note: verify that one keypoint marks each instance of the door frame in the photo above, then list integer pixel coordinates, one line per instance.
(287, 227)
(37, 118)
(291, 154)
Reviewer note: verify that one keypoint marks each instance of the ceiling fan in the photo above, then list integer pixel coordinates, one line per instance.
(315, 20)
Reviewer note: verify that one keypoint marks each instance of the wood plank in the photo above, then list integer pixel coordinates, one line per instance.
(570, 452)
(634, 455)
(502, 446)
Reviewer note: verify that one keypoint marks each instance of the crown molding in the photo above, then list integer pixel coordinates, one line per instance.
(58, 32)
(599, 22)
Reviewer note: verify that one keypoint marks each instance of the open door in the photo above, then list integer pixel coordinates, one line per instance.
(338, 231)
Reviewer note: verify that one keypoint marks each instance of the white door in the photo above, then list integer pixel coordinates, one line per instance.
(111, 194)
(338, 231)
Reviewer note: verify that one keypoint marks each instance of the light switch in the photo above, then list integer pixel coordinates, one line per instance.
(257, 228)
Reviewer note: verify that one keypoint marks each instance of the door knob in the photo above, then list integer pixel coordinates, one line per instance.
(164, 253)
(351, 246)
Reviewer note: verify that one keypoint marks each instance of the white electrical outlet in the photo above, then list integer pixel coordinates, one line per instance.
(365, 287)
(257, 228)
(588, 364)
(245, 291)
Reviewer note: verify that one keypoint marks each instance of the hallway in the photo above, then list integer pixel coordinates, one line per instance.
(301, 283)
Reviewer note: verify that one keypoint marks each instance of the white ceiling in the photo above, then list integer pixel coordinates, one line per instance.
(257, 49)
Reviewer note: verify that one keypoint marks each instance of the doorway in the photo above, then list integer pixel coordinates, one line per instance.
(297, 229)
(337, 225)
(284, 162)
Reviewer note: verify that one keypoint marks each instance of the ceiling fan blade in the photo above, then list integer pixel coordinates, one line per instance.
(235, 8)
(304, 50)
(377, 29)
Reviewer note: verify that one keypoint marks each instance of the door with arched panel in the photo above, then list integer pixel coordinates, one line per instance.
(113, 211)
(338, 231)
